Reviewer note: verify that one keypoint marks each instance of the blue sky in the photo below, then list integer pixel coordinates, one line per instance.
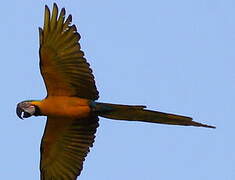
(173, 56)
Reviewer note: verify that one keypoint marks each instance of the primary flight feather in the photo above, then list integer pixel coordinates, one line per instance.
(70, 106)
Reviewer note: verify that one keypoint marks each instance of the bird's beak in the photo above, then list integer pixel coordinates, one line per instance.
(19, 111)
(25, 110)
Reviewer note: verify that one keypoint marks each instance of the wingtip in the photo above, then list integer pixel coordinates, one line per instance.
(70, 18)
(46, 8)
(55, 5)
(74, 28)
(63, 11)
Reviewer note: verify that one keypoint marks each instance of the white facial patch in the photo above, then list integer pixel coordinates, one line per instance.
(30, 109)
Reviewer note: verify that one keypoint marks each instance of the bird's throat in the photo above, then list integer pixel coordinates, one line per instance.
(61, 106)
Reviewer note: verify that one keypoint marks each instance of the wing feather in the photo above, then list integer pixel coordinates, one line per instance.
(64, 69)
(65, 145)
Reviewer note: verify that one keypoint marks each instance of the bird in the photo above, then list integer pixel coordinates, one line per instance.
(71, 104)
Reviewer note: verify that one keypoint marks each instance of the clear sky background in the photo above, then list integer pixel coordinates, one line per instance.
(173, 56)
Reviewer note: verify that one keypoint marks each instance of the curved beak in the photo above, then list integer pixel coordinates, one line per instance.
(19, 111)
(24, 110)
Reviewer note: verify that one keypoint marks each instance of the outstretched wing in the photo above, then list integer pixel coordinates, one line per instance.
(64, 146)
(64, 69)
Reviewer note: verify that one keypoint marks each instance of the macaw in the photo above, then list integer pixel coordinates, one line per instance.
(70, 106)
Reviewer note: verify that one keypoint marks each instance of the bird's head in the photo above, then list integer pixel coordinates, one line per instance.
(26, 109)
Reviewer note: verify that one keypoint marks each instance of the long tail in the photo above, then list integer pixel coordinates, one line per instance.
(139, 113)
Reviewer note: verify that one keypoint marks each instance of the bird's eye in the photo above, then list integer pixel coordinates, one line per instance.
(30, 110)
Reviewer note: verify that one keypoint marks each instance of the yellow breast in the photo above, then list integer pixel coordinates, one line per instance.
(63, 106)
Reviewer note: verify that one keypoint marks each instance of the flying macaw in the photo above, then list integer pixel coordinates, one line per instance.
(70, 106)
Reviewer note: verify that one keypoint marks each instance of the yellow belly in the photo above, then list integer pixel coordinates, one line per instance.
(63, 106)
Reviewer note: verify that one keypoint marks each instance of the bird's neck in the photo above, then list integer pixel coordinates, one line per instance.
(64, 106)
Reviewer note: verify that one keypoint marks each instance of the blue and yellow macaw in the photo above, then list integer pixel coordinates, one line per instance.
(70, 106)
